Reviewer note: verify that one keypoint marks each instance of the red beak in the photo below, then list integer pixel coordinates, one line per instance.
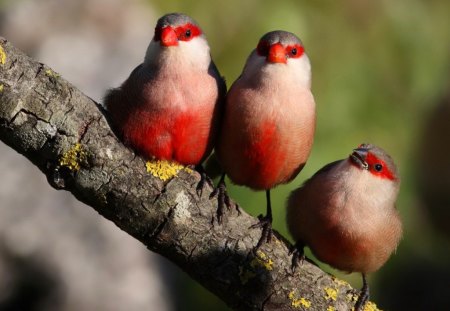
(168, 37)
(277, 54)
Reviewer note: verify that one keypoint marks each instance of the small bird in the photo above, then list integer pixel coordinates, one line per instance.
(346, 213)
(169, 107)
(269, 119)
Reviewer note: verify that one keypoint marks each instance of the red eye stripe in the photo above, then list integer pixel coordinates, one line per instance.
(373, 160)
(295, 51)
(292, 51)
(187, 32)
(181, 32)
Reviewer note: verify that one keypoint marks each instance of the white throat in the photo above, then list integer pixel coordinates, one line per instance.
(296, 70)
(193, 53)
(376, 191)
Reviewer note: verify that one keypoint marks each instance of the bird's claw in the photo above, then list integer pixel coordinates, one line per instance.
(265, 223)
(204, 179)
(298, 255)
(223, 200)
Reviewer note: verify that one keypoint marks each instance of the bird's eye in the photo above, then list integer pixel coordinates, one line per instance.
(294, 51)
(378, 167)
(188, 33)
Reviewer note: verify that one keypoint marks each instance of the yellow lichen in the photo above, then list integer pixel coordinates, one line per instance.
(2, 55)
(298, 302)
(330, 308)
(50, 73)
(331, 293)
(370, 306)
(165, 170)
(340, 282)
(1, 87)
(262, 260)
(305, 302)
(295, 303)
(352, 297)
(291, 295)
(73, 158)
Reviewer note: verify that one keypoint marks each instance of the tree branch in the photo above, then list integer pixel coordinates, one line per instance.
(66, 135)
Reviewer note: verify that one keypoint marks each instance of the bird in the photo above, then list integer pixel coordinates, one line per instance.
(346, 213)
(269, 119)
(169, 108)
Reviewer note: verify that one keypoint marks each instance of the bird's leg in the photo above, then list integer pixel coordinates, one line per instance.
(298, 254)
(222, 198)
(204, 179)
(265, 222)
(363, 295)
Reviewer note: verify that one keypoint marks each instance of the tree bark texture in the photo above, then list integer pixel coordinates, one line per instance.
(66, 135)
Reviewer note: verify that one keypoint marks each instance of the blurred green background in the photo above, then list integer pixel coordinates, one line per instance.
(381, 74)
(380, 69)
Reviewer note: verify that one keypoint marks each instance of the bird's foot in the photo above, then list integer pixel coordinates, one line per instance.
(265, 223)
(204, 179)
(298, 255)
(223, 200)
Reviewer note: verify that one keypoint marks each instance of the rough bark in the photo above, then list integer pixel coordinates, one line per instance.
(66, 135)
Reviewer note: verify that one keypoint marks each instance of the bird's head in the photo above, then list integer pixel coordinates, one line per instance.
(178, 41)
(279, 56)
(280, 47)
(374, 160)
(174, 28)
